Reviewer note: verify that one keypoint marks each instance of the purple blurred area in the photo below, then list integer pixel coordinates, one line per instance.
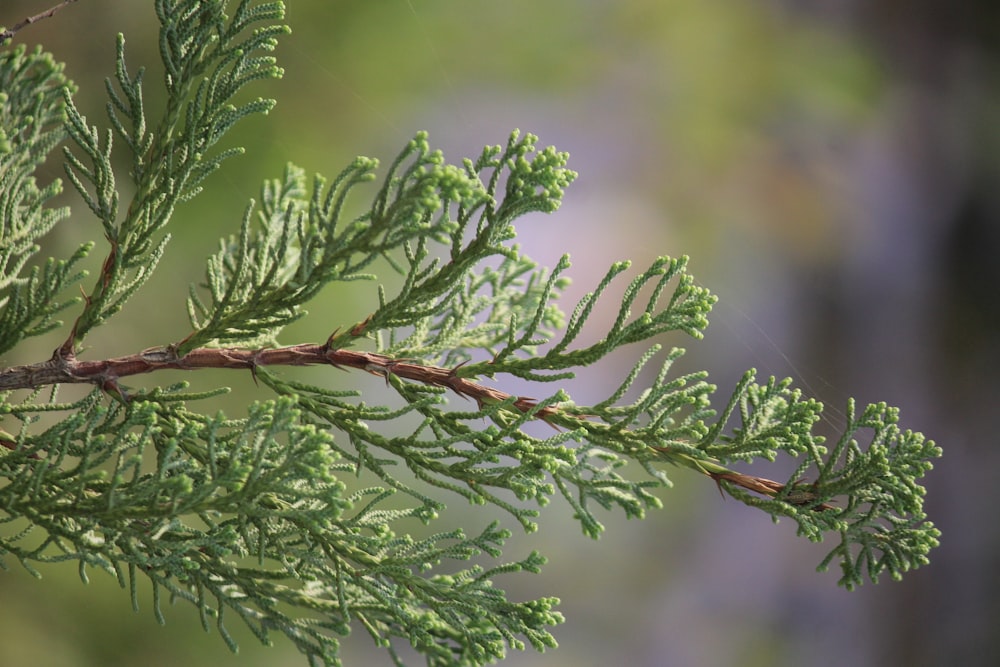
(832, 169)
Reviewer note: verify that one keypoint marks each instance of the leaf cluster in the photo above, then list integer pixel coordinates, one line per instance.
(31, 126)
(208, 58)
(882, 526)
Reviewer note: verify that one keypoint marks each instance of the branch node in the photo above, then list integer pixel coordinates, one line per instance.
(358, 329)
(328, 345)
(110, 384)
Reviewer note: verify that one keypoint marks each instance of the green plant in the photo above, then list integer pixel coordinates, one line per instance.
(261, 515)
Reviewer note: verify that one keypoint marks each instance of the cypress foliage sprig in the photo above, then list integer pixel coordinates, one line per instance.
(31, 126)
(297, 517)
(208, 58)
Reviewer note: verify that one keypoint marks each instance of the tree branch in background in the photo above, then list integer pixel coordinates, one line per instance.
(48, 13)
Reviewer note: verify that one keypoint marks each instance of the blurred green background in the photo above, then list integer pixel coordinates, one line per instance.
(832, 169)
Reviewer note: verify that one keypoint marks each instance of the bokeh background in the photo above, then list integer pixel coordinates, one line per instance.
(833, 170)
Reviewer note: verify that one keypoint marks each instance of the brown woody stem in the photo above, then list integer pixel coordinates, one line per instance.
(67, 369)
(800, 494)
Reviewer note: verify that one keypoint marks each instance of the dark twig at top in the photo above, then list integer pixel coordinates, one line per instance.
(9, 33)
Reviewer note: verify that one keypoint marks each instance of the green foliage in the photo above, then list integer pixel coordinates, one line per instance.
(208, 58)
(31, 125)
(268, 516)
(881, 526)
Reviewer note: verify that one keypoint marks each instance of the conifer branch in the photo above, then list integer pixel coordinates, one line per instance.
(282, 515)
(107, 373)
